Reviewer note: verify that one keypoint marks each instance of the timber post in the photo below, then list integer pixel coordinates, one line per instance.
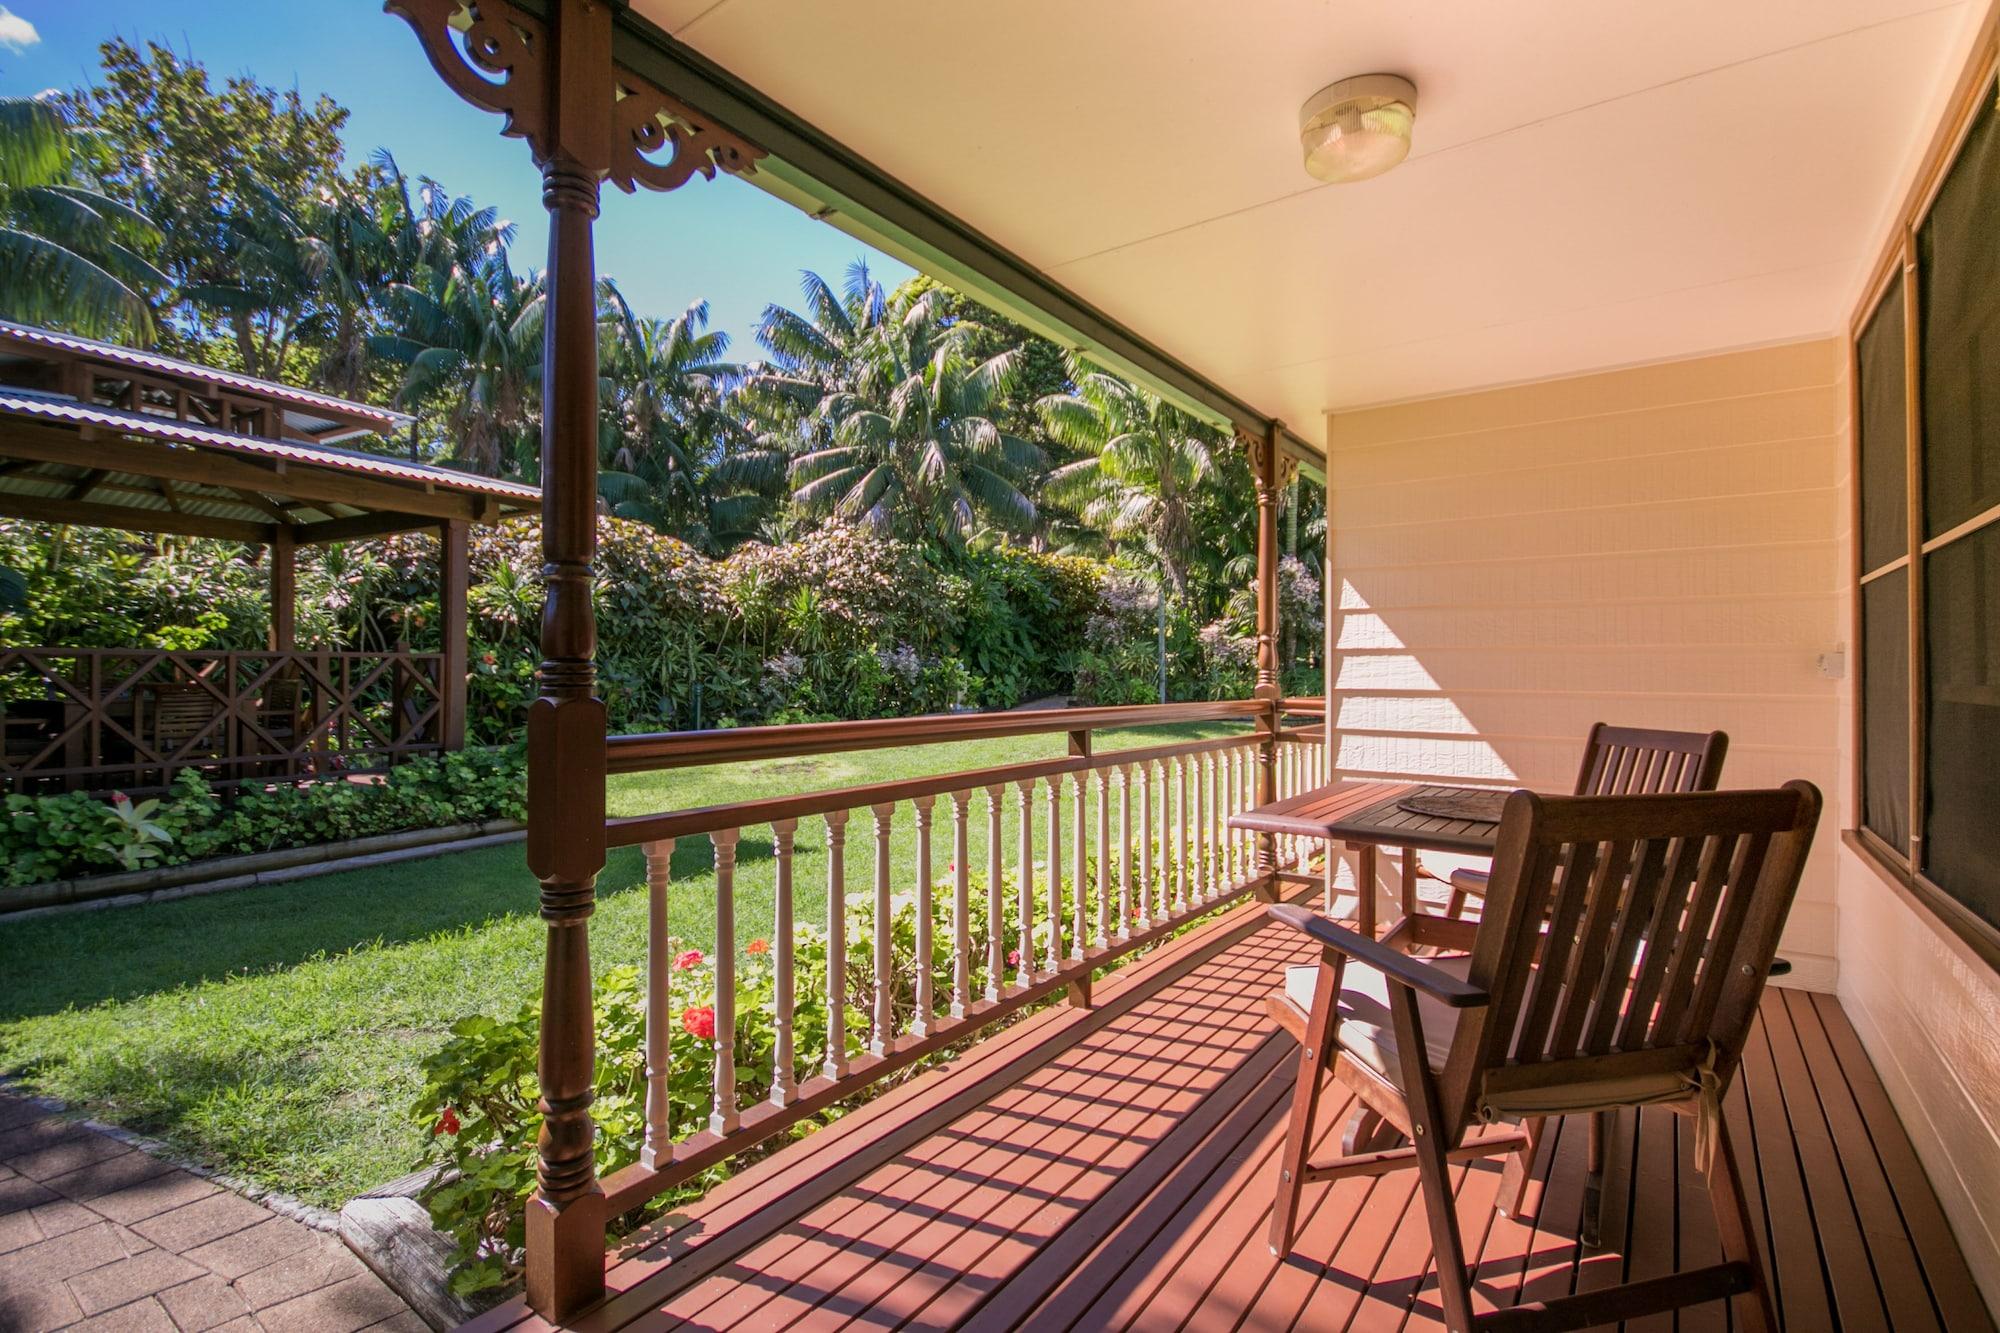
(454, 584)
(586, 120)
(1264, 470)
(284, 588)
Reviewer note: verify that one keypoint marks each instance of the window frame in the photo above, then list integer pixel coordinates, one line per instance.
(1901, 867)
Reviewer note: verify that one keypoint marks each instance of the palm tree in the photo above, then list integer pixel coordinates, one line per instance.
(69, 254)
(913, 450)
(469, 332)
(675, 454)
(1143, 460)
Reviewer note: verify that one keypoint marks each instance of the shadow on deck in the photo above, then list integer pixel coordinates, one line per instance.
(1113, 1168)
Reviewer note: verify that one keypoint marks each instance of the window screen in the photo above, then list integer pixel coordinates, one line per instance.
(1962, 731)
(1958, 257)
(1885, 519)
(1885, 708)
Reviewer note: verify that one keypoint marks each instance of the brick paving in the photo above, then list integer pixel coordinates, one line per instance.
(95, 1234)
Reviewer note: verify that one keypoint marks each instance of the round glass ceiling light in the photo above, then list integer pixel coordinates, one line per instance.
(1357, 128)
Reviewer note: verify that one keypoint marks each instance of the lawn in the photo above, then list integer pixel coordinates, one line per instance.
(276, 1032)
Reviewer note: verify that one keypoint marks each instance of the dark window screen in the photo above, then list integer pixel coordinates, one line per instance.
(1885, 513)
(1962, 722)
(1885, 708)
(1958, 257)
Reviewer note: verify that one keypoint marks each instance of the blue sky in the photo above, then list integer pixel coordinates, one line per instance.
(722, 240)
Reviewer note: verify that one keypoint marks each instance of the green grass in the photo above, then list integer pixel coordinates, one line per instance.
(276, 1032)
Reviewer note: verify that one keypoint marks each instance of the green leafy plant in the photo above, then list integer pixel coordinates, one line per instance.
(131, 835)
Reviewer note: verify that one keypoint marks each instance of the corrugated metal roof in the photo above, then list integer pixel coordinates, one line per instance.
(63, 412)
(166, 365)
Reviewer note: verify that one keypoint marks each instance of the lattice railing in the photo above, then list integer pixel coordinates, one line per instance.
(133, 718)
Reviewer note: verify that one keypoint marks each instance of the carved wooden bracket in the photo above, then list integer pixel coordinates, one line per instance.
(497, 57)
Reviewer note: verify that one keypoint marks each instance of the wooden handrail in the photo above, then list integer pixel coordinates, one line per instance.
(683, 749)
(633, 830)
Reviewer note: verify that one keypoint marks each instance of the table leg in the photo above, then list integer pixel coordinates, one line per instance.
(1364, 888)
(1329, 870)
(1409, 882)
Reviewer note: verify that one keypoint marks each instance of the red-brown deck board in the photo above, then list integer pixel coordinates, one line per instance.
(1120, 1176)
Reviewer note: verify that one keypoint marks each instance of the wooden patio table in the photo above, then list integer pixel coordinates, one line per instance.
(1365, 816)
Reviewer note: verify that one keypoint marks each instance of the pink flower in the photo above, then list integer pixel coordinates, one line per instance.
(447, 1123)
(699, 1021)
(757, 946)
(1013, 958)
(692, 958)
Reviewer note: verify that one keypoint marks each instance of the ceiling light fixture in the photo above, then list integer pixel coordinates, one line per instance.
(1357, 128)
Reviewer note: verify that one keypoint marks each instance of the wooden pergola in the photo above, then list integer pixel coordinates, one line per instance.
(99, 435)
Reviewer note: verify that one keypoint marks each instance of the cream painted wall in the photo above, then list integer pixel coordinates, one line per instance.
(1655, 546)
(1664, 546)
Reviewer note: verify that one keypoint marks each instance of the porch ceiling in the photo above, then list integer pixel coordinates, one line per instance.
(1591, 185)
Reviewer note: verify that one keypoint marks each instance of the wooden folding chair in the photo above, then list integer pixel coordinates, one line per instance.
(1620, 960)
(1626, 761)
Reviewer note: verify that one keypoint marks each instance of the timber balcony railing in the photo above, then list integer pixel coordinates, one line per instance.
(1087, 859)
(133, 718)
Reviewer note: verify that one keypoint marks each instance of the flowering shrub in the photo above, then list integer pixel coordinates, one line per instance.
(477, 1106)
(839, 622)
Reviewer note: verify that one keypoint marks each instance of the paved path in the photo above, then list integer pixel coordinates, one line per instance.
(97, 1235)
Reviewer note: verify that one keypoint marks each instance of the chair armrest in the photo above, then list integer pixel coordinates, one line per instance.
(1399, 967)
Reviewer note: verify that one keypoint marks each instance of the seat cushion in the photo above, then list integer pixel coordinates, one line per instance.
(1367, 1028)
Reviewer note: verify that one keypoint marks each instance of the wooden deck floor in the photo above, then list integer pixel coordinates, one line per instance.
(1113, 1169)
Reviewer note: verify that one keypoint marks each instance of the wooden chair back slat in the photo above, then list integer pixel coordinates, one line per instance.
(1587, 970)
(1629, 761)
(1636, 921)
(1597, 868)
(1669, 912)
(1674, 896)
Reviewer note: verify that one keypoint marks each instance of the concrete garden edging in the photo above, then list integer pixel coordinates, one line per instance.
(224, 874)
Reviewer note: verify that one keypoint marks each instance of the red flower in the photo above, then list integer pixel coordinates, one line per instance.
(757, 946)
(1013, 958)
(447, 1123)
(699, 1021)
(120, 798)
(488, 658)
(692, 958)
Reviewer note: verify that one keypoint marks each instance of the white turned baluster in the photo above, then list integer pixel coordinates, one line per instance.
(1052, 955)
(1079, 866)
(882, 1032)
(658, 1145)
(784, 994)
(961, 905)
(1102, 938)
(996, 928)
(836, 944)
(1232, 839)
(1180, 858)
(1146, 915)
(722, 1118)
(920, 1022)
(1125, 853)
(1203, 815)
(1024, 944)
(1225, 836)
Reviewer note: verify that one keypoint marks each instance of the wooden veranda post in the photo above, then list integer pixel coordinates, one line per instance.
(284, 589)
(586, 119)
(1265, 468)
(454, 579)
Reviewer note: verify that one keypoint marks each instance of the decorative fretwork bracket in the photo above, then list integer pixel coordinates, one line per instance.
(499, 58)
